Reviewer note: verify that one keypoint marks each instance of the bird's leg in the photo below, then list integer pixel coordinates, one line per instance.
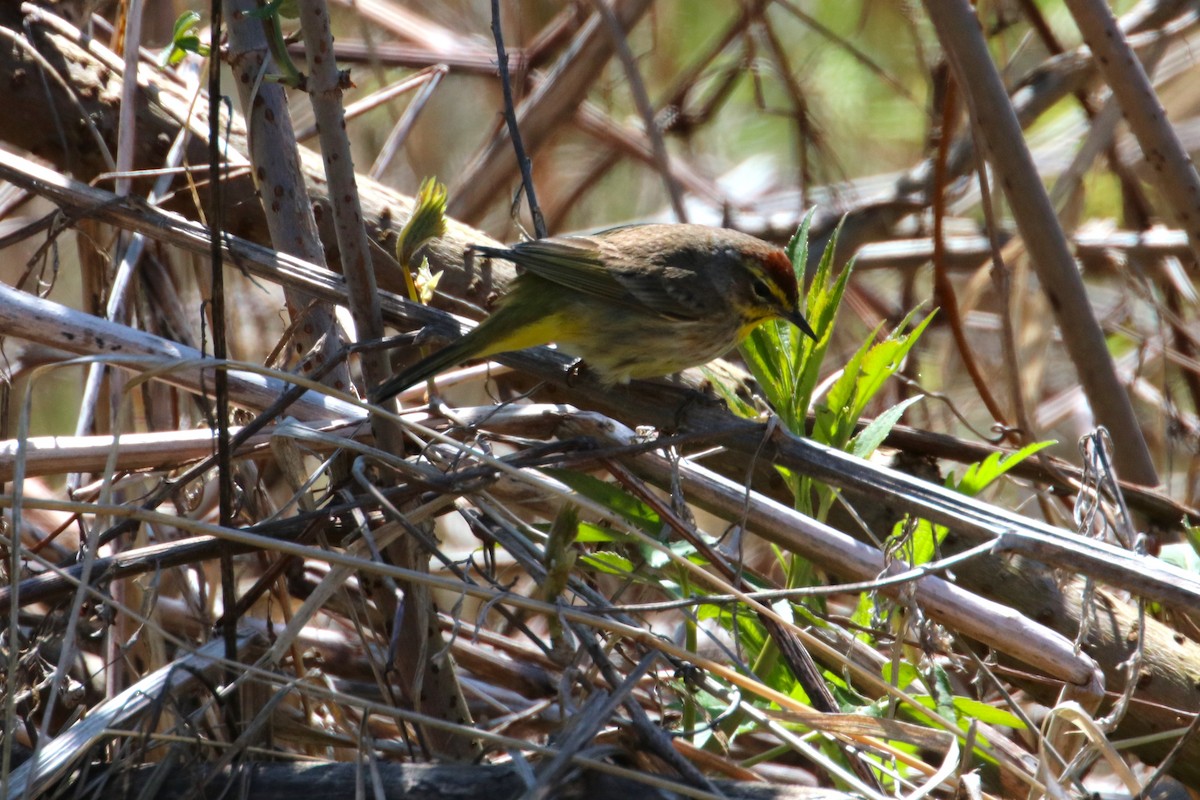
(576, 371)
(696, 398)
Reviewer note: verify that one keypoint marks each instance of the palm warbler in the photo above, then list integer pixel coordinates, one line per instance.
(633, 302)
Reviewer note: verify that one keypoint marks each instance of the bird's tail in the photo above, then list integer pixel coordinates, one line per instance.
(520, 320)
(426, 368)
(491, 252)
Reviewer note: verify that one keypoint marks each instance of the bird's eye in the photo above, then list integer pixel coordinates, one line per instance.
(761, 290)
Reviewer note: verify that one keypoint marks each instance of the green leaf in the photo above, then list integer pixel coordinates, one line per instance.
(975, 709)
(821, 307)
(184, 40)
(1182, 555)
(590, 533)
(608, 562)
(837, 407)
(428, 221)
(864, 616)
(797, 246)
(1191, 533)
(861, 380)
(611, 497)
(979, 476)
(907, 673)
(743, 624)
(884, 360)
(870, 437)
(785, 362)
(184, 24)
(939, 683)
(726, 390)
(964, 709)
(924, 540)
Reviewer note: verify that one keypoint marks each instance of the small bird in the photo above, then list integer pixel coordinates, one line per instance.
(637, 301)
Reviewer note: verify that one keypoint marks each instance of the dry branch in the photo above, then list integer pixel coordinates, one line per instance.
(487, 465)
(960, 34)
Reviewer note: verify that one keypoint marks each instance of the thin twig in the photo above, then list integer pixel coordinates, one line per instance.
(995, 118)
(1172, 169)
(514, 131)
(216, 216)
(941, 279)
(399, 134)
(641, 99)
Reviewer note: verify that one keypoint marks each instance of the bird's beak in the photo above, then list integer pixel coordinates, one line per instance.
(797, 319)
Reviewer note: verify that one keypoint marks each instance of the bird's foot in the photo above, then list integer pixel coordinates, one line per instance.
(696, 399)
(576, 371)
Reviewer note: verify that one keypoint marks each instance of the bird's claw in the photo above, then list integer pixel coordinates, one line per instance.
(576, 371)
